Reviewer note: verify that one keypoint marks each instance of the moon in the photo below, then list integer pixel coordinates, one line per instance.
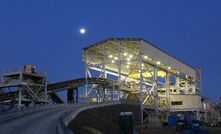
(82, 30)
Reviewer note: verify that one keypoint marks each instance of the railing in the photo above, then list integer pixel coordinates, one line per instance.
(11, 70)
(21, 69)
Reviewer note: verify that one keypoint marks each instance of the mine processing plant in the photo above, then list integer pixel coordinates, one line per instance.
(115, 69)
(145, 73)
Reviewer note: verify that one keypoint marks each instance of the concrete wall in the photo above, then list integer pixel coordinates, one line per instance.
(189, 102)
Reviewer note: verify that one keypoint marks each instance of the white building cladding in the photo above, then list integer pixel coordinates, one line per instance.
(151, 74)
(165, 58)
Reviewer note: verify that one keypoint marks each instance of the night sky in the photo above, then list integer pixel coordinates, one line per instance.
(46, 33)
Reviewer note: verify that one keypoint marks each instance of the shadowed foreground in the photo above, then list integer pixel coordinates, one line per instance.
(103, 119)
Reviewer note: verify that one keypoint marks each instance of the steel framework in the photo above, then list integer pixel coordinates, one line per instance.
(151, 75)
(19, 87)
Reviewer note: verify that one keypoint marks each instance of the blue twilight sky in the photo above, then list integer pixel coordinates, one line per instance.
(46, 33)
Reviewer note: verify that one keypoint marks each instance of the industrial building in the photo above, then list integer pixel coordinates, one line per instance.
(146, 73)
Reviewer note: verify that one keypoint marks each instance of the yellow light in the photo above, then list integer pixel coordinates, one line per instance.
(158, 63)
(128, 63)
(145, 57)
(130, 56)
(178, 72)
(142, 65)
(113, 61)
(110, 56)
(127, 66)
(169, 68)
(125, 54)
(115, 58)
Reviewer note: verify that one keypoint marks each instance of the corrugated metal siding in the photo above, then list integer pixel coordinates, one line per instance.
(159, 55)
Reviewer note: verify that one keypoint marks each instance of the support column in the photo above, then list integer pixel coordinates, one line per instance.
(194, 84)
(77, 97)
(98, 94)
(112, 93)
(186, 87)
(20, 91)
(102, 93)
(20, 76)
(19, 98)
(198, 114)
(141, 87)
(168, 90)
(198, 110)
(156, 89)
(104, 72)
(70, 95)
(46, 89)
(86, 78)
(119, 71)
(178, 84)
(198, 81)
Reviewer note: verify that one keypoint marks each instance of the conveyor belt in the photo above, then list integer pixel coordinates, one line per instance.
(65, 85)
(70, 84)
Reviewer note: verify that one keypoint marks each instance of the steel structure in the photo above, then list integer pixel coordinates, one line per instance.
(152, 75)
(72, 87)
(22, 87)
(10, 95)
